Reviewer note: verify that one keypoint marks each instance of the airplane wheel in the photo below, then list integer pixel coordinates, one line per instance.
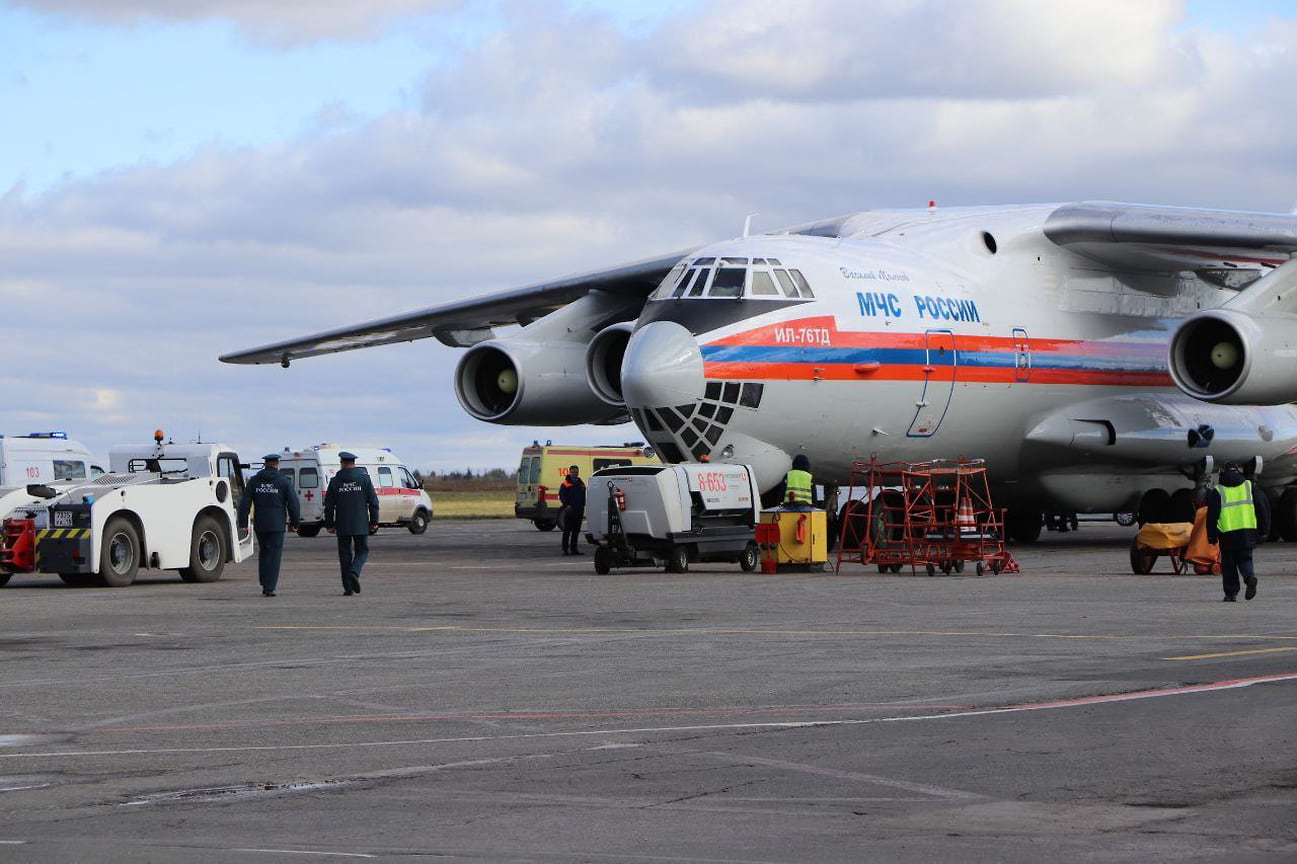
(602, 560)
(1154, 506)
(1023, 525)
(1141, 560)
(1182, 509)
(1286, 514)
(119, 560)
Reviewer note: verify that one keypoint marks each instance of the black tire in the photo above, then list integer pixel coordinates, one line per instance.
(5, 576)
(1181, 509)
(1154, 506)
(602, 560)
(1023, 525)
(309, 530)
(418, 522)
(77, 580)
(119, 556)
(206, 552)
(932, 571)
(750, 559)
(1286, 515)
(678, 559)
(1124, 518)
(1141, 560)
(981, 569)
(545, 524)
(895, 568)
(959, 566)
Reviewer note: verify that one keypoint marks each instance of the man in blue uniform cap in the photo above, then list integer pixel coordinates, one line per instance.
(274, 505)
(351, 512)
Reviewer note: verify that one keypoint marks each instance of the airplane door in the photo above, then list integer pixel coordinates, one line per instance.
(1021, 355)
(938, 383)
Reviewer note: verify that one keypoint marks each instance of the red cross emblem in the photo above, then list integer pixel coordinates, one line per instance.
(310, 495)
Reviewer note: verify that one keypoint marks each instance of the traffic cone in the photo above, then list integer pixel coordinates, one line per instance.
(965, 523)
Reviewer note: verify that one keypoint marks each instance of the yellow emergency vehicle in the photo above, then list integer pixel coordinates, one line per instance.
(544, 466)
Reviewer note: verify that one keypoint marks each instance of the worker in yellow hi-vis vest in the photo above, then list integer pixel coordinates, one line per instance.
(799, 487)
(1237, 516)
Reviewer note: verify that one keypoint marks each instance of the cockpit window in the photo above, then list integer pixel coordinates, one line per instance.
(763, 285)
(732, 277)
(728, 281)
(801, 283)
(786, 283)
(700, 283)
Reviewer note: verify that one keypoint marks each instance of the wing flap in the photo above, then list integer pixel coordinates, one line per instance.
(470, 321)
(1172, 238)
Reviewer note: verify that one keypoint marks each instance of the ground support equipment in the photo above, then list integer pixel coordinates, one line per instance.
(928, 516)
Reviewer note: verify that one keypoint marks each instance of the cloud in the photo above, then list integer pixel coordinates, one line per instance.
(282, 21)
(559, 143)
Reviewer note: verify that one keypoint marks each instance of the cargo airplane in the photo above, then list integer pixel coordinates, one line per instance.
(1099, 356)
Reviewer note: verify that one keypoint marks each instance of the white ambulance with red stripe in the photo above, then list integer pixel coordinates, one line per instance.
(402, 501)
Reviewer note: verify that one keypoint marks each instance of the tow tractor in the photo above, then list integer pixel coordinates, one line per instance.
(166, 507)
(648, 515)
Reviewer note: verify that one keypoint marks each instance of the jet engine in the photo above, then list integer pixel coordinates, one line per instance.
(520, 382)
(1227, 356)
(603, 362)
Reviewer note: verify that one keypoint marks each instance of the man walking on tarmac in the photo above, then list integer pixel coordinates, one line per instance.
(351, 512)
(572, 496)
(274, 505)
(1237, 513)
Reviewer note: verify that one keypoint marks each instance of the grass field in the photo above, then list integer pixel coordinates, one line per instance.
(472, 505)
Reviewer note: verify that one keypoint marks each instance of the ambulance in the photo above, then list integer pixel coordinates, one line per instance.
(43, 457)
(544, 467)
(401, 500)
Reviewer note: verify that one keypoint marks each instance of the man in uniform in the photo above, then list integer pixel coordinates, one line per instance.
(572, 496)
(1236, 516)
(798, 485)
(351, 512)
(274, 505)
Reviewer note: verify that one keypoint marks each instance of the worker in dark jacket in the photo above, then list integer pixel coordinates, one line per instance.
(1237, 516)
(571, 495)
(274, 506)
(351, 512)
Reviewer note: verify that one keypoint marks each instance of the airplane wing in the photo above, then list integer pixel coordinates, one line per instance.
(1170, 238)
(468, 322)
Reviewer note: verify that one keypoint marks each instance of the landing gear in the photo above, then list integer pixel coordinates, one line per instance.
(1182, 509)
(1023, 524)
(1285, 514)
(1154, 506)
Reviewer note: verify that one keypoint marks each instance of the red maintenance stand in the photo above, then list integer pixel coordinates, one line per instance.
(932, 515)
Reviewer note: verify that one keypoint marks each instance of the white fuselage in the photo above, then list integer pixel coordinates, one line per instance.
(967, 335)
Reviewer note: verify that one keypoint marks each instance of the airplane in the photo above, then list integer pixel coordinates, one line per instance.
(1099, 356)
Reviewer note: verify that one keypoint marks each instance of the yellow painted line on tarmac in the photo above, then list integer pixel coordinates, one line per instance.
(777, 632)
(1231, 653)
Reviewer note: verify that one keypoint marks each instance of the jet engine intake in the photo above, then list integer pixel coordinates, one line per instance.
(523, 382)
(1230, 357)
(603, 360)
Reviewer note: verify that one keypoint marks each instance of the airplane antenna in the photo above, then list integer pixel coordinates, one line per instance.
(747, 224)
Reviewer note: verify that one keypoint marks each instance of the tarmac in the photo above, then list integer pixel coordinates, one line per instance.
(486, 699)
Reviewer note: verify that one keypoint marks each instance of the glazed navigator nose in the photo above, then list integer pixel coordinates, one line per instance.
(663, 366)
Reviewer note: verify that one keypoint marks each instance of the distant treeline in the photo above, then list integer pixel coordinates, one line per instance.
(495, 480)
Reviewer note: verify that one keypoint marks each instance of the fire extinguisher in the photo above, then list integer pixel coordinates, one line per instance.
(620, 497)
(801, 529)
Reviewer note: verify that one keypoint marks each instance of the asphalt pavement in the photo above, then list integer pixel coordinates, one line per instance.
(486, 699)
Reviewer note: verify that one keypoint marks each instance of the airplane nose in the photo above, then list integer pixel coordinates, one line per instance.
(662, 366)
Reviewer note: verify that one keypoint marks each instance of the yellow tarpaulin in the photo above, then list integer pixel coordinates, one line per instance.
(1165, 535)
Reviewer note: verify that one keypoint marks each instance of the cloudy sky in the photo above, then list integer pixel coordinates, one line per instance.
(183, 179)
